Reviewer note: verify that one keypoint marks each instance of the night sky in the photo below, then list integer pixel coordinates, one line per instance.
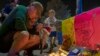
(87, 4)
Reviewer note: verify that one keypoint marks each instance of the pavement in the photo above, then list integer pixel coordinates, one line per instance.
(35, 52)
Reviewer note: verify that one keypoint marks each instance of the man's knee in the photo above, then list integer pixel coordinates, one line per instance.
(34, 38)
(25, 33)
(21, 34)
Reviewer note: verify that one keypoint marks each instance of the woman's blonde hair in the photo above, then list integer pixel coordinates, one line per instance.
(38, 6)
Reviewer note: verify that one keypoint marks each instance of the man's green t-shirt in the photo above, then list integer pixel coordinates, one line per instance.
(16, 21)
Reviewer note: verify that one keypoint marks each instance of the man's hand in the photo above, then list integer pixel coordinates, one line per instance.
(39, 27)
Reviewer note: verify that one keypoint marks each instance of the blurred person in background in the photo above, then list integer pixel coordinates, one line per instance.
(50, 22)
(8, 8)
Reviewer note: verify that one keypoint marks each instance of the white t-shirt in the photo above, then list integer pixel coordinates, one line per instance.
(51, 23)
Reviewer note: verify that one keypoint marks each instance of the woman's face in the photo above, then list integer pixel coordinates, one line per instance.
(32, 14)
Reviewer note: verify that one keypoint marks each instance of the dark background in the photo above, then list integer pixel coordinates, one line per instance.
(87, 4)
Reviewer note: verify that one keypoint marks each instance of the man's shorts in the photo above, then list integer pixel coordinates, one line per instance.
(53, 34)
(6, 42)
